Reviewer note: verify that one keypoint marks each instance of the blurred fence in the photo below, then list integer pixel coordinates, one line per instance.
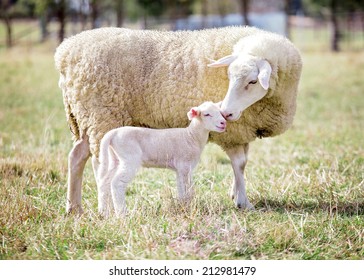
(314, 33)
(308, 33)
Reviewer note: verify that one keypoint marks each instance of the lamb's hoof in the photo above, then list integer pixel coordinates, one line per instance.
(103, 213)
(245, 206)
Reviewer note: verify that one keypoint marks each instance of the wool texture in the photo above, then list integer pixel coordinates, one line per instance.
(112, 77)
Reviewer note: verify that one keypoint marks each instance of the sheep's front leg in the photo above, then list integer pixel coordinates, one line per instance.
(239, 157)
(184, 183)
(77, 159)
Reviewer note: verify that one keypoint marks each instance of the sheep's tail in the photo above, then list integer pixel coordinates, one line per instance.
(72, 122)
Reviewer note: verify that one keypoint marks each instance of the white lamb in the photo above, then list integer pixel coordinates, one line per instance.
(124, 150)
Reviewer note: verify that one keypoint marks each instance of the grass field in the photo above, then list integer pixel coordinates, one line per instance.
(307, 185)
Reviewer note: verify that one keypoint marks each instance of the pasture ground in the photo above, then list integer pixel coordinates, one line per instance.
(307, 185)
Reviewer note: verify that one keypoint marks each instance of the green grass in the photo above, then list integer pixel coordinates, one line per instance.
(307, 185)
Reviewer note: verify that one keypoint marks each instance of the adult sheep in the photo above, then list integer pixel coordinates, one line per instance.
(112, 77)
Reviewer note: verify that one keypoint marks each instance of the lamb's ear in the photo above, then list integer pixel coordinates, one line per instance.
(194, 112)
(218, 104)
(264, 73)
(224, 61)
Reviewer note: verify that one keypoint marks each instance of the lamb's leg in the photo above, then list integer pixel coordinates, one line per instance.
(103, 181)
(123, 176)
(239, 157)
(184, 184)
(95, 167)
(77, 159)
(105, 203)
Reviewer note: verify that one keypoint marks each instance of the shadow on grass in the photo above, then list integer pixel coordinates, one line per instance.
(350, 208)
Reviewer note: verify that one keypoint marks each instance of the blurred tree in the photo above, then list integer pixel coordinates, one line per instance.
(61, 12)
(119, 8)
(335, 25)
(176, 9)
(153, 8)
(5, 14)
(244, 9)
(204, 12)
(43, 10)
(95, 13)
(287, 9)
(335, 8)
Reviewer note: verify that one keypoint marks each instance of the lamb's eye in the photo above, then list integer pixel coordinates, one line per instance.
(207, 115)
(253, 82)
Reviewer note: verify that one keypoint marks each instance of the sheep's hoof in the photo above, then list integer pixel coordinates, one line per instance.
(232, 195)
(74, 209)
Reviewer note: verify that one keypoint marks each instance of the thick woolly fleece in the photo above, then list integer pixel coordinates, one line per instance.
(112, 77)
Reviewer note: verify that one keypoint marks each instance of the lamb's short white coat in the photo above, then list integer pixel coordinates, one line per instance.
(124, 150)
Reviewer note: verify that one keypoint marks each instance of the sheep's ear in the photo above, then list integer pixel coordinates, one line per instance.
(224, 61)
(194, 112)
(264, 73)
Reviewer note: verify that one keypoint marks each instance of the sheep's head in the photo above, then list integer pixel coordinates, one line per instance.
(210, 115)
(249, 82)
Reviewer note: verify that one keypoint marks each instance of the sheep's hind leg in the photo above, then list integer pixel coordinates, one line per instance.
(239, 157)
(77, 159)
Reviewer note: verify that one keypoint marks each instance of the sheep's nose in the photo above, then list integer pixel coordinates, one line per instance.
(227, 115)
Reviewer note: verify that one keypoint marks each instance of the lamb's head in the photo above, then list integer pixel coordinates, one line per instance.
(249, 82)
(210, 115)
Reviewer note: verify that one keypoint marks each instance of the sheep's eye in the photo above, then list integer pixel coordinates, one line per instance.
(207, 115)
(253, 82)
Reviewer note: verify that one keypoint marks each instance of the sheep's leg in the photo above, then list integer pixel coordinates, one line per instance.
(77, 159)
(184, 184)
(119, 182)
(239, 157)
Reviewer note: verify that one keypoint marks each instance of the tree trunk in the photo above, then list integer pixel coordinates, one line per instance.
(145, 19)
(287, 10)
(9, 38)
(5, 15)
(335, 33)
(221, 7)
(61, 14)
(83, 14)
(173, 16)
(244, 7)
(119, 13)
(204, 14)
(94, 13)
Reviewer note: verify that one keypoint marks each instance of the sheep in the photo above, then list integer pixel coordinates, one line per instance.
(112, 77)
(124, 150)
